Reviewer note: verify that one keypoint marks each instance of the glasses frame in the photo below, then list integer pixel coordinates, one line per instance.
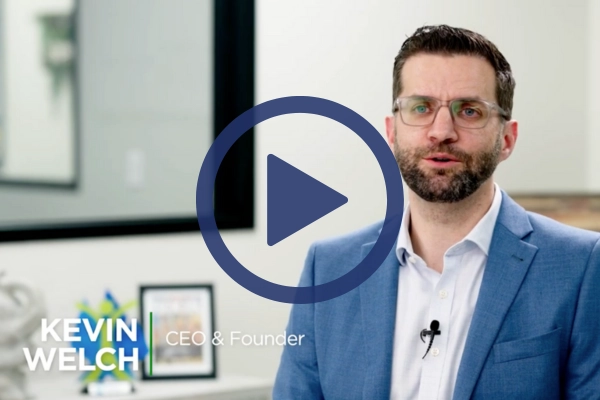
(448, 103)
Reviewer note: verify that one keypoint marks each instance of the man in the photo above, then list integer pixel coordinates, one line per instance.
(513, 293)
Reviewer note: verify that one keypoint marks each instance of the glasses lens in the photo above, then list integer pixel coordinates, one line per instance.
(418, 111)
(470, 113)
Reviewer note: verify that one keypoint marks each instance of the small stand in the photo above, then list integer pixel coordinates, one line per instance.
(109, 388)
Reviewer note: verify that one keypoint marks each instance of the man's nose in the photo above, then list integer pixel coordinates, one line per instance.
(442, 128)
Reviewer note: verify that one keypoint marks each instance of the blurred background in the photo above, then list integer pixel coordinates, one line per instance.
(107, 109)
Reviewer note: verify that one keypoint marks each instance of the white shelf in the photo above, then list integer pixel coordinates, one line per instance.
(66, 387)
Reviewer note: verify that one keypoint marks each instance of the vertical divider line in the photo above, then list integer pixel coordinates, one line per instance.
(150, 345)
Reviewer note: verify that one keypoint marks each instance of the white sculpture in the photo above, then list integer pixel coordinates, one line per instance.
(21, 310)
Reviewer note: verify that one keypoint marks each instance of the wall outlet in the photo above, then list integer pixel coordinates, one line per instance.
(135, 168)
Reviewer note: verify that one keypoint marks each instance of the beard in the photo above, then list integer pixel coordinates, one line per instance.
(447, 185)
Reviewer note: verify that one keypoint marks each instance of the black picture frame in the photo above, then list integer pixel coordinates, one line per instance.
(178, 305)
(233, 93)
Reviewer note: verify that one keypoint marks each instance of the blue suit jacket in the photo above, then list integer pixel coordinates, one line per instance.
(535, 332)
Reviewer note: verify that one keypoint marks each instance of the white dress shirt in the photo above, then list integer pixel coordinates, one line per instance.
(450, 297)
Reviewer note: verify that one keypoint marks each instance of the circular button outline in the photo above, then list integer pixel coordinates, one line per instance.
(299, 105)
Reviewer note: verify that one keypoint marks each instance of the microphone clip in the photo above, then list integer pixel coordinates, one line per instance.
(433, 330)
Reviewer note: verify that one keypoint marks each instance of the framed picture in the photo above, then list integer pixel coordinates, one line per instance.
(178, 324)
(579, 210)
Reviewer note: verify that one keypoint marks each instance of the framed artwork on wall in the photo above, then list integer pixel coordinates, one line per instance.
(579, 210)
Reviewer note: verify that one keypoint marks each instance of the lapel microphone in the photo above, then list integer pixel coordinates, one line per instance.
(433, 330)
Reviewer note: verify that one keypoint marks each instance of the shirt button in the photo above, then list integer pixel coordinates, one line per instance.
(412, 260)
(443, 294)
(435, 352)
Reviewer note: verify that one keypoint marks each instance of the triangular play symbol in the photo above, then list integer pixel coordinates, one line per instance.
(295, 200)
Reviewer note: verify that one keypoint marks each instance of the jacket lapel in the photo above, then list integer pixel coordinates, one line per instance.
(508, 261)
(378, 296)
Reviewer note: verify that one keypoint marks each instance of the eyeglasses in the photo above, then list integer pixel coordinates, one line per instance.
(466, 113)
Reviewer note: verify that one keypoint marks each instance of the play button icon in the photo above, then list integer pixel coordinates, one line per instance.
(295, 200)
(289, 194)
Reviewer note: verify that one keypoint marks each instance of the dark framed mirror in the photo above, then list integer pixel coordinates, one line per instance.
(148, 85)
(37, 94)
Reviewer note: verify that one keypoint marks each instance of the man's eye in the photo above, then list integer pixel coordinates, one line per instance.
(471, 112)
(420, 109)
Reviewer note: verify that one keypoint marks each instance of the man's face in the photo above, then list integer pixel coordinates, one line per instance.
(474, 153)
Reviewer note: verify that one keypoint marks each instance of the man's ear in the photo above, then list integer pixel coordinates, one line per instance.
(509, 138)
(390, 132)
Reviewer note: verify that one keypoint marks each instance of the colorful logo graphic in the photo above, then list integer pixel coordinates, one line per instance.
(110, 344)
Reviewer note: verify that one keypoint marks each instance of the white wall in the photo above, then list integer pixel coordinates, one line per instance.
(593, 97)
(346, 54)
(343, 52)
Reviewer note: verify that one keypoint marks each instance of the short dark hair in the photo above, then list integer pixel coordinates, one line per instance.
(447, 40)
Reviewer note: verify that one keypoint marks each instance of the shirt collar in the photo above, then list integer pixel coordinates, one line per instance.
(481, 234)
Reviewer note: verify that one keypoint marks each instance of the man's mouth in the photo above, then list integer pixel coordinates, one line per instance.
(442, 160)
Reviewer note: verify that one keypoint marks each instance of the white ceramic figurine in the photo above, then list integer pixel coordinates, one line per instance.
(21, 310)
